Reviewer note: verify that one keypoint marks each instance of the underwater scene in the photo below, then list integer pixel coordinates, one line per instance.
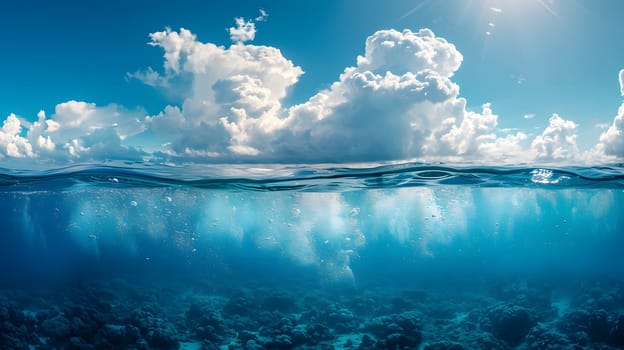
(404, 256)
(332, 175)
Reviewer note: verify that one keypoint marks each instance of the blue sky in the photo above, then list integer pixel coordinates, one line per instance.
(513, 65)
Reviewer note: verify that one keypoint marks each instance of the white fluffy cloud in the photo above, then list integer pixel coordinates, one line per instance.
(77, 131)
(612, 140)
(557, 142)
(234, 97)
(37, 130)
(611, 145)
(244, 31)
(475, 128)
(84, 131)
(407, 51)
(397, 102)
(380, 109)
(383, 108)
(12, 144)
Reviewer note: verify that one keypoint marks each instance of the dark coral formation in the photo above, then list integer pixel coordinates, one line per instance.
(117, 315)
(510, 323)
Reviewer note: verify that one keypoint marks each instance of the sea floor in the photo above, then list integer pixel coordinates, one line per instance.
(158, 314)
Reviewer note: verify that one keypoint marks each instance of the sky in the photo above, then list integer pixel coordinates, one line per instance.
(479, 81)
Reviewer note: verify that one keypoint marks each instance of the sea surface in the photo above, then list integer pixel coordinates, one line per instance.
(406, 256)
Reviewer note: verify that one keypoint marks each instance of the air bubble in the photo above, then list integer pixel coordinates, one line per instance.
(354, 212)
(134, 203)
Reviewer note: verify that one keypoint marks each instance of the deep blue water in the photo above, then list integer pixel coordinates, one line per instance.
(454, 247)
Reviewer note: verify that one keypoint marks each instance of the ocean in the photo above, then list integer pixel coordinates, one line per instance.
(405, 256)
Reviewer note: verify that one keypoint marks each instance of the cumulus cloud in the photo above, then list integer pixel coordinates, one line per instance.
(244, 31)
(407, 51)
(557, 142)
(12, 144)
(612, 140)
(37, 130)
(76, 118)
(234, 97)
(76, 131)
(610, 147)
(380, 109)
(465, 138)
(397, 102)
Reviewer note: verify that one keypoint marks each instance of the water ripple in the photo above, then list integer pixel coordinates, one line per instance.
(310, 178)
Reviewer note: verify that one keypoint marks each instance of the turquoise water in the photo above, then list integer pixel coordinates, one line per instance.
(312, 257)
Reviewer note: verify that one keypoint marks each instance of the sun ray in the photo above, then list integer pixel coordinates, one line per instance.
(548, 8)
(416, 8)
